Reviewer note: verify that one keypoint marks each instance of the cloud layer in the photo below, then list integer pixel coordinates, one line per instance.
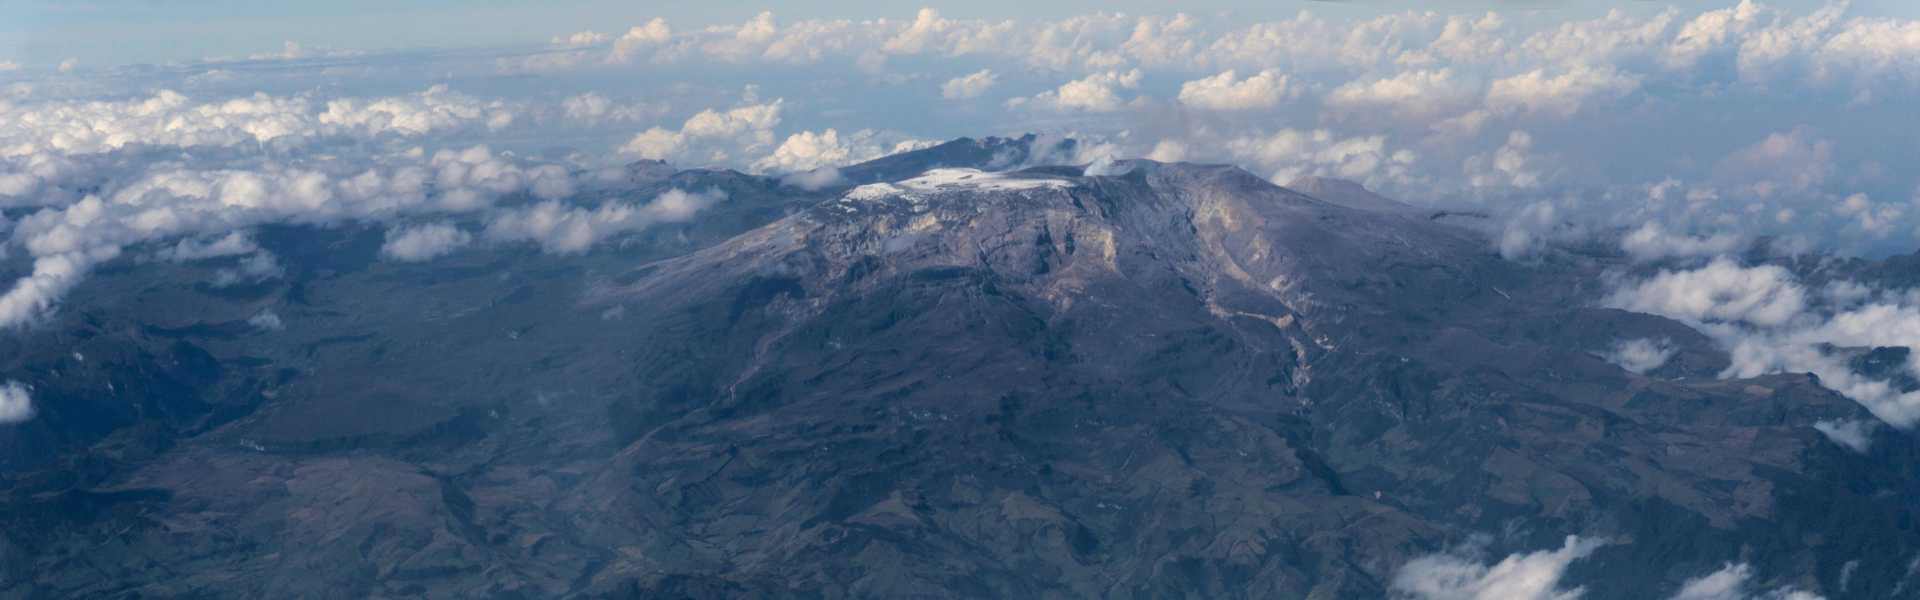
(1461, 575)
(1529, 576)
(1686, 136)
(1771, 322)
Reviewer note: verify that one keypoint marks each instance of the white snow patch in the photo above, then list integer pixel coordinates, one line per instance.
(873, 191)
(944, 180)
(975, 179)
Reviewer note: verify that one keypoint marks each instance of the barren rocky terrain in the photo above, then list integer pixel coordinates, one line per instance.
(962, 372)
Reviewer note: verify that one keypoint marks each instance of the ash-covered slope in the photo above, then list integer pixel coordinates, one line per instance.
(1174, 381)
(1297, 396)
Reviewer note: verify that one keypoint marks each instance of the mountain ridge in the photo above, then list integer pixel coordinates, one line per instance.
(1161, 380)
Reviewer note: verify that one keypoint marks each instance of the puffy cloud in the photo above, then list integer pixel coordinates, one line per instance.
(167, 118)
(1411, 95)
(639, 39)
(591, 107)
(1721, 291)
(267, 320)
(1463, 39)
(549, 182)
(1512, 165)
(1486, 99)
(815, 179)
(1086, 41)
(255, 268)
(1791, 161)
(1222, 92)
(53, 275)
(971, 85)
(1876, 219)
(1602, 41)
(563, 229)
(813, 40)
(1808, 346)
(1290, 154)
(1854, 434)
(1760, 353)
(1528, 230)
(1310, 43)
(1871, 49)
(813, 152)
(256, 265)
(16, 403)
(1169, 151)
(437, 108)
(23, 178)
(761, 38)
(1530, 576)
(169, 201)
(1098, 92)
(806, 151)
(1653, 242)
(930, 33)
(423, 242)
(926, 28)
(655, 144)
(1730, 583)
(1709, 31)
(146, 200)
(1766, 50)
(190, 249)
(1640, 355)
(711, 135)
(1767, 322)
(1561, 95)
(583, 38)
(750, 119)
(1632, 45)
(1163, 41)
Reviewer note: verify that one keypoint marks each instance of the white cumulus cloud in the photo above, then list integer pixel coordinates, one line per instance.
(423, 242)
(1422, 95)
(1640, 355)
(1559, 94)
(16, 403)
(711, 135)
(1652, 241)
(1099, 92)
(1222, 92)
(971, 85)
(1529, 576)
(1732, 583)
(563, 229)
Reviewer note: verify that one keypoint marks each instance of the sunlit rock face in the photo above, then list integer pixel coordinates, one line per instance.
(961, 371)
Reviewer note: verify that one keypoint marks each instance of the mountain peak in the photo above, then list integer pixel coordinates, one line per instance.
(1348, 193)
(988, 154)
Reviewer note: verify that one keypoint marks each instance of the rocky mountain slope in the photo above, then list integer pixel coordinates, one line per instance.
(961, 373)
